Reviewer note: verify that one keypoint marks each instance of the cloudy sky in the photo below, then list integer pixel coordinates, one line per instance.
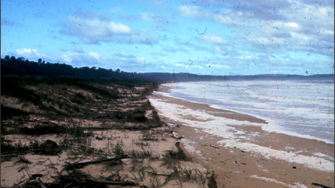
(219, 37)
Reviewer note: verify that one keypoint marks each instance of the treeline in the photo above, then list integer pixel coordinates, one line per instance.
(21, 66)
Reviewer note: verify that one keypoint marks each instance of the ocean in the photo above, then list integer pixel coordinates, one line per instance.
(298, 108)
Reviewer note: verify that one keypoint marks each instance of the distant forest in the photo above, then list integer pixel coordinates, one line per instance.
(21, 66)
(11, 65)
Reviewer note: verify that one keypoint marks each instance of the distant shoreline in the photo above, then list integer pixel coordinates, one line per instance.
(11, 66)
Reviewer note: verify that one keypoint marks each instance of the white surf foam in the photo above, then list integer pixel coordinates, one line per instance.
(295, 185)
(218, 126)
(308, 161)
(271, 126)
(301, 109)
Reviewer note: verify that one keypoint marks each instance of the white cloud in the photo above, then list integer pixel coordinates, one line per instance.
(189, 11)
(96, 30)
(80, 59)
(219, 49)
(293, 25)
(102, 26)
(212, 39)
(147, 16)
(219, 66)
(223, 19)
(119, 28)
(142, 60)
(29, 53)
(95, 55)
(25, 51)
(280, 26)
(67, 58)
(327, 32)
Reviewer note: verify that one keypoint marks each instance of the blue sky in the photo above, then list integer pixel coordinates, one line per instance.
(218, 37)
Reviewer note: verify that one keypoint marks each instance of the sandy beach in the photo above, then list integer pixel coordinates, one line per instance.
(105, 142)
(257, 159)
(140, 140)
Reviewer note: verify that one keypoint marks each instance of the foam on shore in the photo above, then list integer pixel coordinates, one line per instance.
(285, 105)
(272, 125)
(231, 137)
(295, 185)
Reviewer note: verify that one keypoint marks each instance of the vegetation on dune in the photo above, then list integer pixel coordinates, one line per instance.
(7, 112)
(35, 107)
(38, 106)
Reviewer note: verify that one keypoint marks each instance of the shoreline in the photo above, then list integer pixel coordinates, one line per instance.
(205, 148)
(231, 114)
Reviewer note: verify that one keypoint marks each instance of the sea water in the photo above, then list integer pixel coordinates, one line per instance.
(299, 108)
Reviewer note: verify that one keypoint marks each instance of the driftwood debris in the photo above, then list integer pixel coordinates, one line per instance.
(156, 174)
(22, 168)
(10, 155)
(181, 153)
(48, 151)
(141, 127)
(82, 164)
(214, 147)
(24, 160)
(212, 181)
(320, 185)
(71, 180)
(33, 183)
(123, 183)
(34, 176)
(149, 139)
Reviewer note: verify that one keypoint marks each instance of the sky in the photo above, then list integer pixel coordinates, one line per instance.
(212, 37)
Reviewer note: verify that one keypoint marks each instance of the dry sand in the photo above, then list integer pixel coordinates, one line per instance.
(238, 168)
(13, 172)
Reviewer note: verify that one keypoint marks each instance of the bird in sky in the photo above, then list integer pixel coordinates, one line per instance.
(201, 33)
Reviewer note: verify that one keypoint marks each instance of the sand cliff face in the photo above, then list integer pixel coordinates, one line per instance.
(75, 133)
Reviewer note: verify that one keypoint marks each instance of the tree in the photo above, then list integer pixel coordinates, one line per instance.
(118, 70)
(21, 59)
(7, 58)
(12, 58)
(39, 61)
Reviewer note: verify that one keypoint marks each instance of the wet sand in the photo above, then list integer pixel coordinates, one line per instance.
(239, 168)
